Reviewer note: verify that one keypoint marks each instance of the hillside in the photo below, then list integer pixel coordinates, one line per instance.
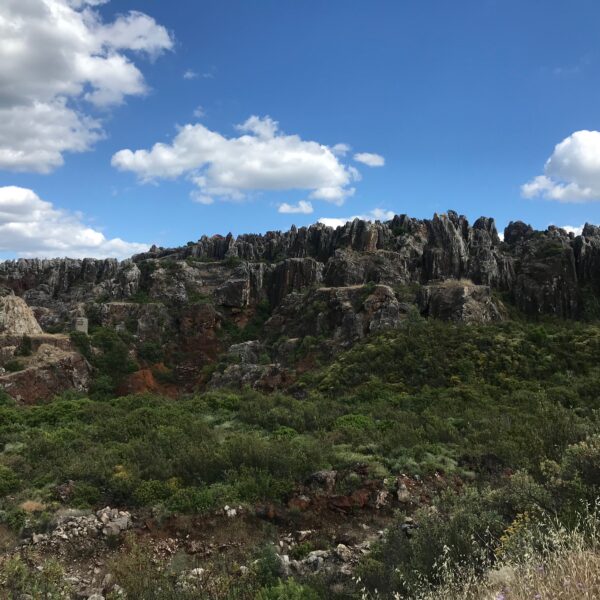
(320, 413)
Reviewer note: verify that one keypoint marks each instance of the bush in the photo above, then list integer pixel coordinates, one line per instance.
(460, 528)
(20, 580)
(9, 481)
(151, 352)
(287, 590)
(25, 347)
(14, 366)
(82, 342)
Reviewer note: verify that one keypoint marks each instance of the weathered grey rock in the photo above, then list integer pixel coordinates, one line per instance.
(324, 480)
(293, 275)
(267, 377)
(81, 325)
(344, 314)
(542, 272)
(343, 553)
(460, 301)
(246, 353)
(16, 318)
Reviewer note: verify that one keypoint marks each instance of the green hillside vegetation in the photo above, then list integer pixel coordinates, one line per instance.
(508, 410)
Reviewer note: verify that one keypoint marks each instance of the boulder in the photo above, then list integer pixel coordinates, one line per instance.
(16, 318)
(460, 301)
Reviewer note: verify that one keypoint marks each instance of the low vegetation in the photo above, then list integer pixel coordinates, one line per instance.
(507, 414)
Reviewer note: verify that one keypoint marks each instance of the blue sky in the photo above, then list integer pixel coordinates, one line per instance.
(464, 101)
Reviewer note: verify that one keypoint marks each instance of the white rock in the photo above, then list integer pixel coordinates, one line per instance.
(343, 552)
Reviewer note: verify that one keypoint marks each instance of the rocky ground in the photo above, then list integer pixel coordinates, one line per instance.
(318, 533)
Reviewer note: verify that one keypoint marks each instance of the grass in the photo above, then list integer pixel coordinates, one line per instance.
(551, 563)
(509, 412)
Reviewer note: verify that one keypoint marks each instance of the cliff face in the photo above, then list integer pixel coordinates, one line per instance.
(335, 284)
(541, 271)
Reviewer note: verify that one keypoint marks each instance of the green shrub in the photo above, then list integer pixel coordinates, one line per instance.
(14, 366)
(18, 579)
(85, 495)
(151, 352)
(197, 500)
(25, 347)
(267, 567)
(287, 590)
(458, 528)
(81, 341)
(9, 481)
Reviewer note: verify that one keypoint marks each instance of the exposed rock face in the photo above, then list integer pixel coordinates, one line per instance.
(344, 314)
(460, 301)
(293, 275)
(16, 318)
(47, 373)
(266, 377)
(544, 271)
(339, 284)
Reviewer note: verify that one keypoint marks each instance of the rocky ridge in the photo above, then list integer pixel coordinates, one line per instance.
(337, 285)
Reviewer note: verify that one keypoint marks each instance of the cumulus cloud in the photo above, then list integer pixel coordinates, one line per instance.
(58, 60)
(370, 159)
(377, 214)
(189, 74)
(303, 208)
(30, 226)
(260, 158)
(574, 230)
(572, 173)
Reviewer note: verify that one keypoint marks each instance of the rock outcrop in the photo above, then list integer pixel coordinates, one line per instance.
(45, 374)
(460, 301)
(189, 304)
(542, 271)
(16, 318)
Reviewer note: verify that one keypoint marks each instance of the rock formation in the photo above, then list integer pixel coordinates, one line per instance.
(334, 284)
(16, 318)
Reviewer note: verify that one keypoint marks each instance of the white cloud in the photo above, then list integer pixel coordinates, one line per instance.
(333, 222)
(56, 56)
(377, 214)
(303, 207)
(199, 112)
(574, 230)
(370, 159)
(340, 149)
(30, 226)
(261, 158)
(189, 74)
(572, 173)
(202, 198)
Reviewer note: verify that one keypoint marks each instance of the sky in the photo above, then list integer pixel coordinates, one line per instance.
(126, 123)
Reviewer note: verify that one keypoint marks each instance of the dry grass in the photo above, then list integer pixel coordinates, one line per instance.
(547, 562)
(570, 575)
(7, 538)
(32, 506)
(551, 563)
(573, 575)
(451, 283)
